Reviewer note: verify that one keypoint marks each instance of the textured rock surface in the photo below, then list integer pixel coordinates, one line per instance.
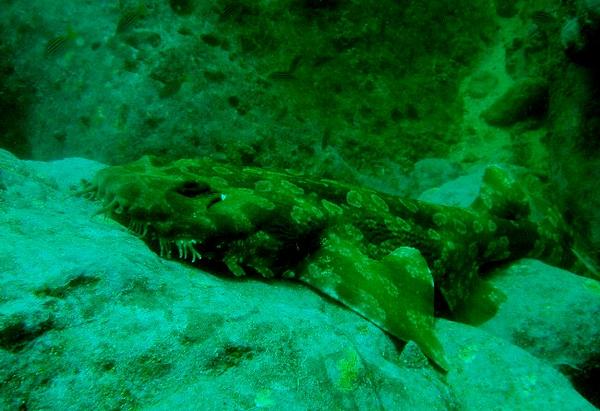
(526, 99)
(499, 371)
(265, 81)
(549, 312)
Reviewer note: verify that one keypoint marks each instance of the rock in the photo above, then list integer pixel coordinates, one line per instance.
(571, 37)
(431, 172)
(460, 192)
(488, 371)
(480, 84)
(538, 313)
(525, 99)
(551, 313)
(580, 35)
(506, 8)
(591, 12)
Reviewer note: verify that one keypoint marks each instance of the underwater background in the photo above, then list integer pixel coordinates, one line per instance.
(409, 99)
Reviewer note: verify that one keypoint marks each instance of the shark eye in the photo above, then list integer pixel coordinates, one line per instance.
(193, 189)
(216, 199)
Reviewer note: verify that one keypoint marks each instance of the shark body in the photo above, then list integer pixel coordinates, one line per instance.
(387, 258)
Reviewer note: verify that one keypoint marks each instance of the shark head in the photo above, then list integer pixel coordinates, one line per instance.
(197, 209)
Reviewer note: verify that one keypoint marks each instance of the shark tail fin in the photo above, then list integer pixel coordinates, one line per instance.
(502, 196)
(524, 214)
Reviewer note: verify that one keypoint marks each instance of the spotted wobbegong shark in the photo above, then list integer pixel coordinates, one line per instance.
(385, 257)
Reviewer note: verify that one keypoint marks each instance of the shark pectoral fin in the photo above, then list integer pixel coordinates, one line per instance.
(413, 289)
(395, 293)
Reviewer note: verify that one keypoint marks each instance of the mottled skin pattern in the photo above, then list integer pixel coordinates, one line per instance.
(378, 254)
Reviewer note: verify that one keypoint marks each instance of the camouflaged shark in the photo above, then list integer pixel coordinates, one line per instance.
(380, 255)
